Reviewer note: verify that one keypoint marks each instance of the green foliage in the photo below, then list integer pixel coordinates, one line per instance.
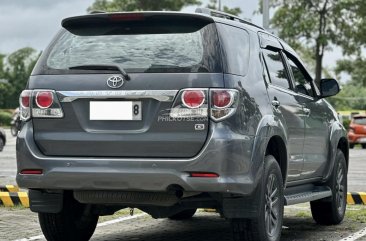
(5, 118)
(140, 5)
(214, 5)
(346, 123)
(319, 24)
(355, 68)
(15, 69)
(350, 97)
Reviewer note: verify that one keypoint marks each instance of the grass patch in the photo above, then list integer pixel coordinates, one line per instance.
(356, 213)
(303, 214)
(15, 208)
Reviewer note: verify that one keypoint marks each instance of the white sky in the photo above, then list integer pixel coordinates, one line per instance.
(33, 23)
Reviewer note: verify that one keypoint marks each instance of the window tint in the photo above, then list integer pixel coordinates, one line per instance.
(302, 84)
(235, 43)
(143, 52)
(276, 68)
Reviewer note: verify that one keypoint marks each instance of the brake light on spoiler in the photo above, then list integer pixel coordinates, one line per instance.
(39, 104)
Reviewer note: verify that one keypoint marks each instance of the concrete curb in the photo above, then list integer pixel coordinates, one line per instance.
(9, 188)
(356, 198)
(11, 199)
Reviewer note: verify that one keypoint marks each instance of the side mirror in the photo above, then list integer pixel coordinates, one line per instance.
(328, 87)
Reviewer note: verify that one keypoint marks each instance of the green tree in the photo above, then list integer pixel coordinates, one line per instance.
(16, 69)
(214, 5)
(352, 97)
(140, 5)
(318, 24)
(355, 68)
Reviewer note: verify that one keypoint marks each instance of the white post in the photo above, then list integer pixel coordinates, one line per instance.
(266, 14)
(219, 5)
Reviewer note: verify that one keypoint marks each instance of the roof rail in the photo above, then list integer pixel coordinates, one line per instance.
(97, 11)
(224, 15)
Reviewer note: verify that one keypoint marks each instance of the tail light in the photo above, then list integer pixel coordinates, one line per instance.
(193, 98)
(196, 103)
(190, 103)
(224, 103)
(44, 99)
(39, 104)
(24, 105)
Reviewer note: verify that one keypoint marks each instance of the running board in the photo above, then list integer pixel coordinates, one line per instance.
(317, 192)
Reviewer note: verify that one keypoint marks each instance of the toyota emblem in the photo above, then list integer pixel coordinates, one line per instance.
(115, 82)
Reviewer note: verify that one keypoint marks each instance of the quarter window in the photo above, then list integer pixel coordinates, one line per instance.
(276, 68)
(236, 49)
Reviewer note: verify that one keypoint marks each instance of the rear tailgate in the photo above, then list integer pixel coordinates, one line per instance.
(162, 53)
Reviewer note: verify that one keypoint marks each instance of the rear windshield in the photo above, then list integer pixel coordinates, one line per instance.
(360, 121)
(187, 52)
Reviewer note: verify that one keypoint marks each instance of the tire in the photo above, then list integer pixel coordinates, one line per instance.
(14, 130)
(330, 211)
(351, 146)
(363, 146)
(1, 144)
(259, 229)
(183, 215)
(70, 224)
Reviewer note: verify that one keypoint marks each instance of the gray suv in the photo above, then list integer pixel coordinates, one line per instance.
(169, 112)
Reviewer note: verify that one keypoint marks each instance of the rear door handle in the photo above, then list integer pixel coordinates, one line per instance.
(276, 103)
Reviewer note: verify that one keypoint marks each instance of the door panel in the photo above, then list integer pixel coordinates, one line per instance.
(316, 146)
(290, 113)
(287, 109)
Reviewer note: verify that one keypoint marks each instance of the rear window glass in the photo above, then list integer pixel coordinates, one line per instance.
(150, 52)
(360, 121)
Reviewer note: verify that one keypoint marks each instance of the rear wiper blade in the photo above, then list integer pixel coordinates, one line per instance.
(103, 67)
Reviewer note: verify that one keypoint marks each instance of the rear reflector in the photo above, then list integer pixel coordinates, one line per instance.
(204, 174)
(32, 172)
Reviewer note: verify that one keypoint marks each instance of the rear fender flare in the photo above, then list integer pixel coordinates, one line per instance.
(268, 127)
(336, 133)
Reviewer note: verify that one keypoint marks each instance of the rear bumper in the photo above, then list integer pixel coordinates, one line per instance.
(225, 153)
(356, 138)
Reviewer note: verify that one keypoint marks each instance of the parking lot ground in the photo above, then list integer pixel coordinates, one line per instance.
(21, 224)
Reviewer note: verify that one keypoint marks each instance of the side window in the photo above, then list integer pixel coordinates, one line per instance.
(235, 42)
(302, 83)
(276, 68)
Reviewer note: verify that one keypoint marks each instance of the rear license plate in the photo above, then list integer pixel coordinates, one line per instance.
(115, 110)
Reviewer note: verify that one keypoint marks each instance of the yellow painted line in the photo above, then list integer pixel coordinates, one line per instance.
(23, 197)
(6, 200)
(12, 188)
